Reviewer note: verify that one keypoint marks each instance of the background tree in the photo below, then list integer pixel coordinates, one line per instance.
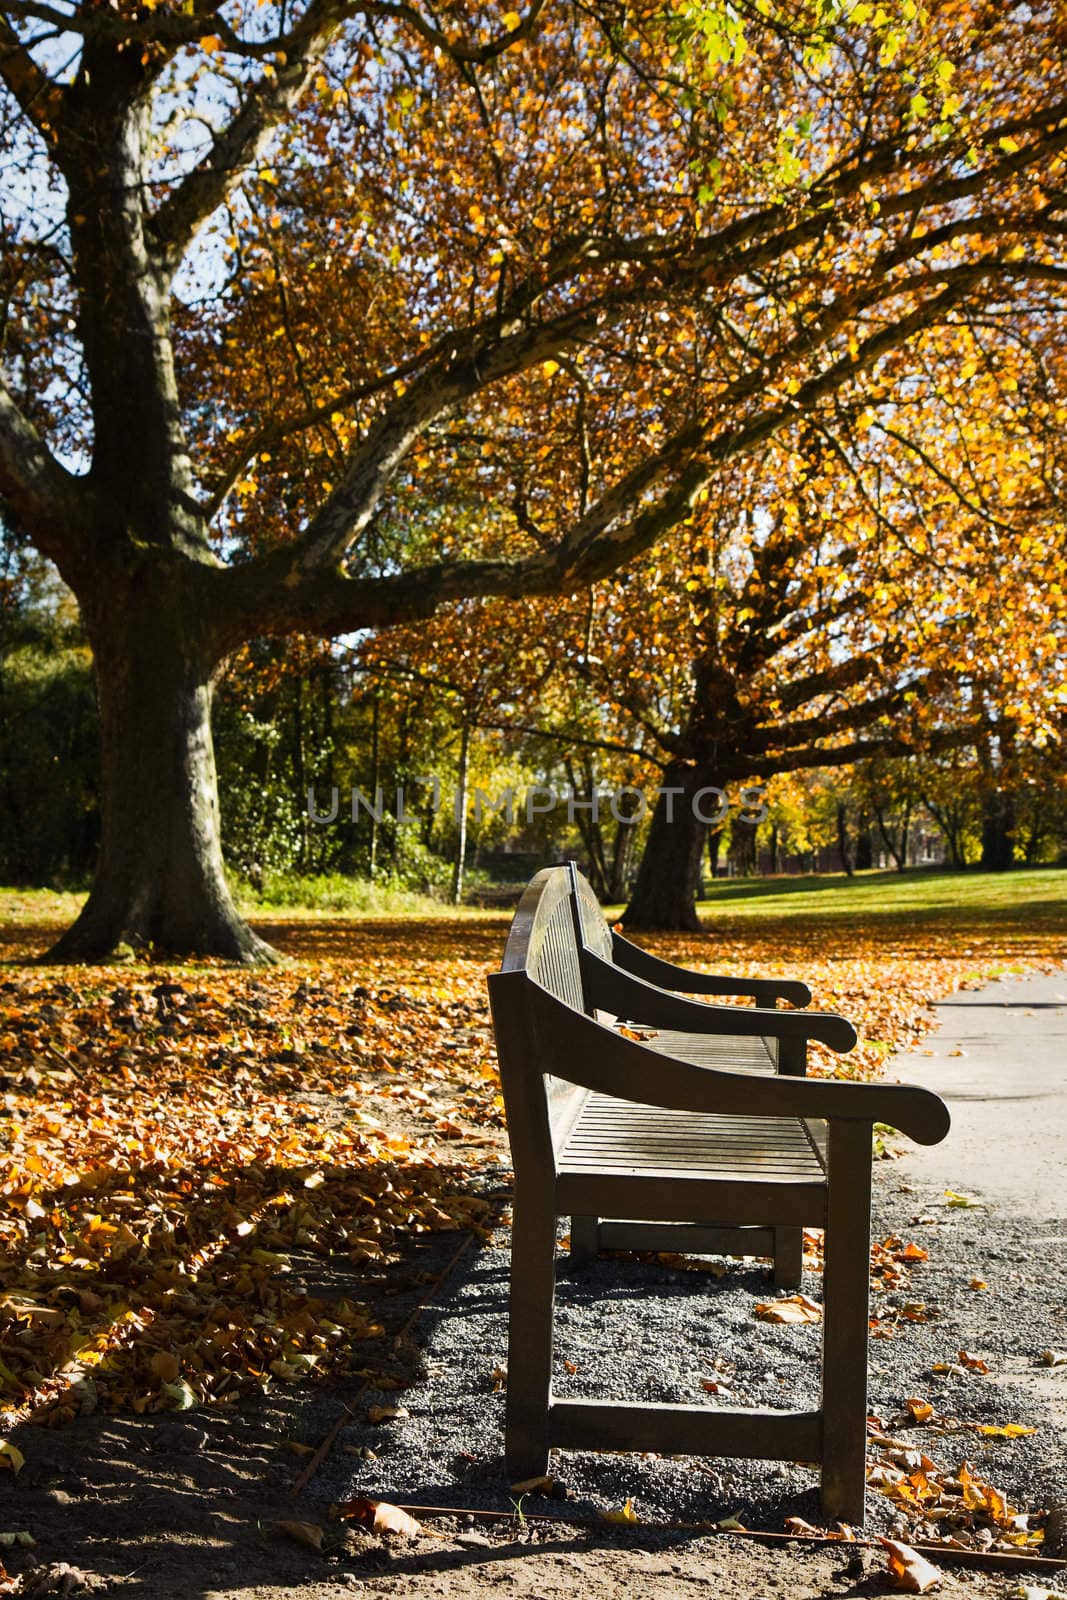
(559, 264)
(49, 746)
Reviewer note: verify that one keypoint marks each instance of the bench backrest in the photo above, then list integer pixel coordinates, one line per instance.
(593, 930)
(543, 942)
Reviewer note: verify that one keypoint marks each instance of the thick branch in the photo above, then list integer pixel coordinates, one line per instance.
(39, 496)
(39, 99)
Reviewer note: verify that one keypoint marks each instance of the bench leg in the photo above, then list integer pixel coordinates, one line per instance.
(533, 1290)
(788, 1257)
(846, 1304)
(584, 1238)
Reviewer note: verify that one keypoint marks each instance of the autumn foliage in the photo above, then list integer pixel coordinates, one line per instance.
(177, 1149)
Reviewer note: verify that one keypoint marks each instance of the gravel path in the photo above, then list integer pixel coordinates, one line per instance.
(629, 1330)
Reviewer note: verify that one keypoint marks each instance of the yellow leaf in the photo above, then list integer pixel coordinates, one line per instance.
(210, 43)
(12, 1456)
(794, 1308)
(549, 367)
(624, 1513)
(512, 20)
(1010, 1430)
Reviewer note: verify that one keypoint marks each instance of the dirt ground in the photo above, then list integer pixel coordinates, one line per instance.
(195, 1507)
(157, 1509)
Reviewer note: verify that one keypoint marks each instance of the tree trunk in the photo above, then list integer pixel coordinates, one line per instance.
(844, 846)
(461, 813)
(668, 879)
(159, 882)
(998, 830)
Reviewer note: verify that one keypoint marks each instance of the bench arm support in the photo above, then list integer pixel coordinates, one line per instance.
(665, 975)
(582, 1051)
(623, 994)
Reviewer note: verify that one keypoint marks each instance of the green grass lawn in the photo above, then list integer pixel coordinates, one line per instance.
(1030, 894)
(1027, 895)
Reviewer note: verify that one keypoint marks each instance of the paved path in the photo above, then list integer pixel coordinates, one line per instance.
(1000, 1061)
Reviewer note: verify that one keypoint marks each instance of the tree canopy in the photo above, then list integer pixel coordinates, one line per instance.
(319, 316)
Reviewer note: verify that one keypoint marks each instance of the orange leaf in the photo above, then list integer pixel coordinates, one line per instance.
(908, 1569)
(381, 1516)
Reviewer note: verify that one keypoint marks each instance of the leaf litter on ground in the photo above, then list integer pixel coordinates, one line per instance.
(170, 1143)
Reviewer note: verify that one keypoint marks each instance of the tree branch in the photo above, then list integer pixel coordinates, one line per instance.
(40, 497)
(238, 145)
(39, 99)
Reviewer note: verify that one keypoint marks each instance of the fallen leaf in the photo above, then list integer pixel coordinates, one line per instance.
(387, 1413)
(978, 1283)
(179, 1396)
(381, 1516)
(908, 1569)
(972, 1363)
(921, 1410)
(543, 1485)
(8, 1541)
(731, 1525)
(165, 1365)
(12, 1456)
(308, 1533)
(1054, 1358)
(794, 1308)
(965, 1200)
(1010, 1430)
(799, 1526)
(625, 1513)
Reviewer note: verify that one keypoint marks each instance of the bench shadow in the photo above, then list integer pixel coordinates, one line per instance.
(605, 1349)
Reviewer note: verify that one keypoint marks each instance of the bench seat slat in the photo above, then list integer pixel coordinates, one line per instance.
(618, 1136)
(711, 1050)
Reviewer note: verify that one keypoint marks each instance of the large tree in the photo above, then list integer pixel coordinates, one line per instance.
(558, 265)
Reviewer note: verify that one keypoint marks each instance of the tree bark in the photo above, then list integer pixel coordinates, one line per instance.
(668, 879)
(160, 883)
(844, 844)
(998, 830)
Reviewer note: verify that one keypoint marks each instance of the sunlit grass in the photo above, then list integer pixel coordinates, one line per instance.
(1024, 895)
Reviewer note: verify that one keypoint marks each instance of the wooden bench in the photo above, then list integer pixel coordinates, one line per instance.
(702, 1135)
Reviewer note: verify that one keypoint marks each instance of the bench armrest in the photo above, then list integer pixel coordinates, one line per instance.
(582, 1051)
(643, 964)
(610, 989)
